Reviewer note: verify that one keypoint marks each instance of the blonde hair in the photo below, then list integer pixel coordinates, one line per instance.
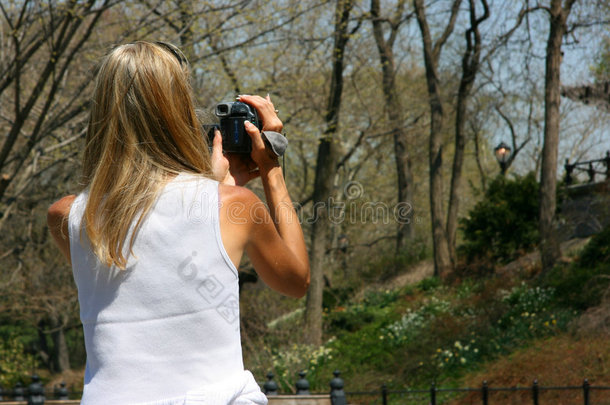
(142, 131)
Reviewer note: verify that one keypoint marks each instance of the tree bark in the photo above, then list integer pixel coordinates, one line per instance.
(442, 256)
(64, 45)
(470, 67)
(326, 164)
(61, 355)
(393, 107)
(44, 352)
(549, 244)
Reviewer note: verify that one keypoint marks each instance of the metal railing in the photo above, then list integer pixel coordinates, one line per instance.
(590, 167)
(483, 395)
(585, 393)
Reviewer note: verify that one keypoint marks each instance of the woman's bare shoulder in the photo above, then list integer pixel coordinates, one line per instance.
(61, 208)
(240, 206)
(232, 194)
(57, 219)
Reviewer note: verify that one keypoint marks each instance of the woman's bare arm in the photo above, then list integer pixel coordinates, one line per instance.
(57, 220)
(272, 236)
(246, 223)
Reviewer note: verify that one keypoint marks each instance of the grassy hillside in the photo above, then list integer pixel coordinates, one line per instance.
(508, 328)
(555, 361)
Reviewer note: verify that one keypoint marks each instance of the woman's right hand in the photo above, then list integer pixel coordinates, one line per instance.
(272, 238)
(266, 112)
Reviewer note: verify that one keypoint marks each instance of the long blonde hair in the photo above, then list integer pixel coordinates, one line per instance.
(142, 131)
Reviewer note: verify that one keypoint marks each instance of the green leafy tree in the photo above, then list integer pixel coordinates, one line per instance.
(15, 364)
(585, 282)
(505, 222)
(601, 69)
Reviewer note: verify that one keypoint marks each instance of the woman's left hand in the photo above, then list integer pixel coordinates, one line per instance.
(233, 169)
(220, 163)
(236, 168)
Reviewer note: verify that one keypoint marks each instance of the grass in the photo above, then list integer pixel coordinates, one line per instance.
(562, 360)
(411, 330)
(507, 330)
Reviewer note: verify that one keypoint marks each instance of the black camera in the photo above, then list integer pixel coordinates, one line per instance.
(232, 115)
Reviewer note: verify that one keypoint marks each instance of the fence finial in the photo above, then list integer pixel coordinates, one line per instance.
(62, 391)
(586, 388)
(36, 391)
(302, 384)
(337, 395)
(270, 387)
(18, 392)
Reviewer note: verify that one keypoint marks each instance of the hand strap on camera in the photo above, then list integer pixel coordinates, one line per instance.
(276, 141)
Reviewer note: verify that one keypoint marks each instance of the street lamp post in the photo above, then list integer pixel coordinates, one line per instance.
(503, 153)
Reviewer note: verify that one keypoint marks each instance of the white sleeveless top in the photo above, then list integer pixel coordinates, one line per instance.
(166, 329)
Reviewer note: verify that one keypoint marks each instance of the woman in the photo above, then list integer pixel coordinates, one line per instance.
(158, 232)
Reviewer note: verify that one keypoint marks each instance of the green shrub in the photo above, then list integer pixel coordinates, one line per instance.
(333, 297)
(429, 284)
(368, 346)
(439, 331)
(15, 364)
(526, 299)
(409, 326)
(583, 283)
(381, 299)
(458, 355)
(505, 223)
(597, 250)
(288, 361)
(350, 320)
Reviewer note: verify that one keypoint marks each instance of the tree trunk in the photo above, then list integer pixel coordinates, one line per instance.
(442, 257)
(470, 66)
(549, 243)
(405, 231)
(60, 350)
(393, 107)
(44, 353)
(326, 163)
(35, 105)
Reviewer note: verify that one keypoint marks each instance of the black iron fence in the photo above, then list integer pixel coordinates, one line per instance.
(586, 394)
(35, 393)
(535, 394)
(590, 167)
